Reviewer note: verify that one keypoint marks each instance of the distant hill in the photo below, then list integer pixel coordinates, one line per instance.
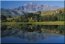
(52, 12)
(12, 13)
(22, 10)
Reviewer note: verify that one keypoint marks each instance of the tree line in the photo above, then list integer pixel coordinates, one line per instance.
(33, 17)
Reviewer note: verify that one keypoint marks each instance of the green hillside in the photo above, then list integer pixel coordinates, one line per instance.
(52, 12)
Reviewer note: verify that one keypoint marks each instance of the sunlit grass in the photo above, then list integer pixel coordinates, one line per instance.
(36, 23)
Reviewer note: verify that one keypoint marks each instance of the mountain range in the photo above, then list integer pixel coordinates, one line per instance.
(36, 7)
(28, 8)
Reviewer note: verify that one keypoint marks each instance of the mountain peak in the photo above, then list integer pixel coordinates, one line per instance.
(29, 7)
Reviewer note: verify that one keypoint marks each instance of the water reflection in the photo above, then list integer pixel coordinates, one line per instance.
(27, 32)
(8, 30)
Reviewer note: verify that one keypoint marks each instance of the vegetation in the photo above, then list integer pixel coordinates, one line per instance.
(36, 21)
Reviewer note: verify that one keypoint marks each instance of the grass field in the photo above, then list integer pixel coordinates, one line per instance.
(36, 23)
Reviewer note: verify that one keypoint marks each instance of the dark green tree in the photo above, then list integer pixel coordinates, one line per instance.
(3, 18)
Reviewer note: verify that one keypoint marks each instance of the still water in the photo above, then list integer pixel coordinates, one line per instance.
(33, 37)
(14, 35)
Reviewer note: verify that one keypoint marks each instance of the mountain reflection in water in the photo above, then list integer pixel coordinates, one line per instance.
(33, 37)
(14, 35)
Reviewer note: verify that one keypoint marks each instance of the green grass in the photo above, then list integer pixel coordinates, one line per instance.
(36, 23)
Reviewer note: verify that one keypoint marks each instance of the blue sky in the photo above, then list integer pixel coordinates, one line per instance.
(15, 4)
(32, 0)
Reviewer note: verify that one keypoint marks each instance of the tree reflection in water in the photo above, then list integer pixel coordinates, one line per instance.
(29, 32)
(9, 31)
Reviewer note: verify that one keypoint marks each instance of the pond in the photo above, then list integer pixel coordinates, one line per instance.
(14, 35)
(33, 37)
